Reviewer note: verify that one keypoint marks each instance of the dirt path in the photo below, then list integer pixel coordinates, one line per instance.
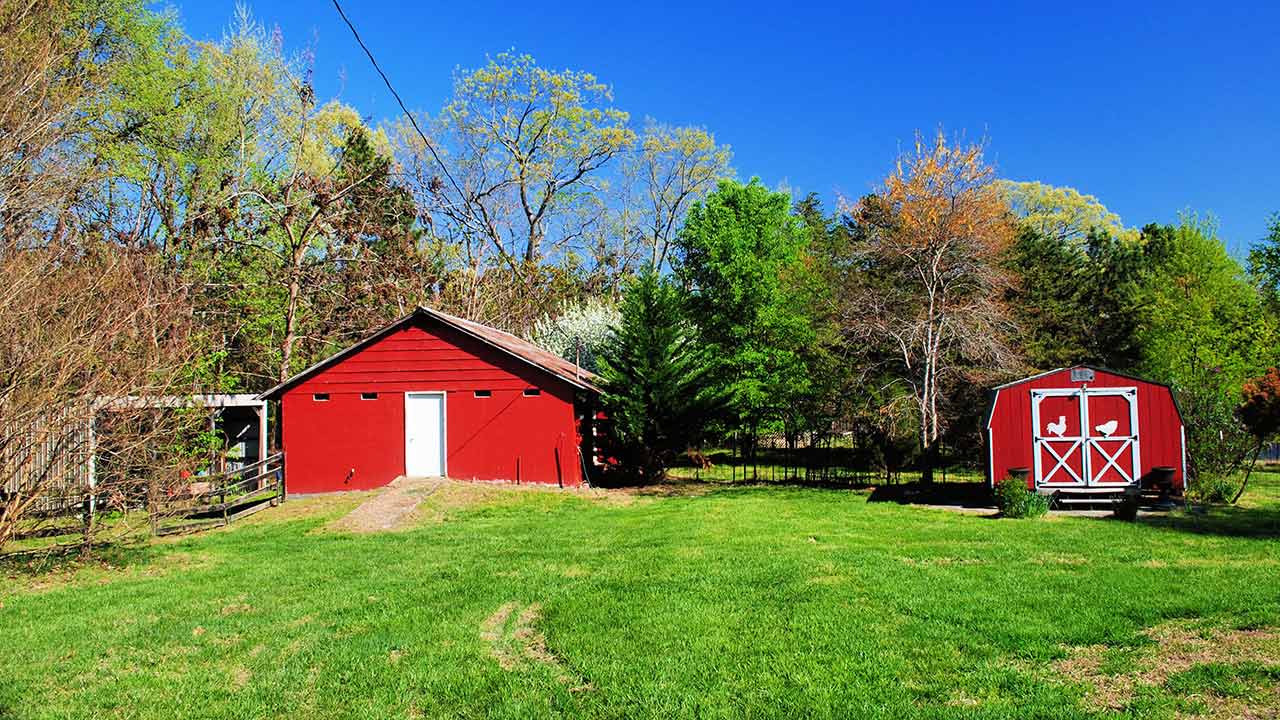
(391, 509)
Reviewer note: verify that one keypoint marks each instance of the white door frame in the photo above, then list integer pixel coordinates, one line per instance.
(444, 428)
(1086, 441)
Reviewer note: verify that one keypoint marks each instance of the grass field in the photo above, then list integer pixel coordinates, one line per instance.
(709, 602)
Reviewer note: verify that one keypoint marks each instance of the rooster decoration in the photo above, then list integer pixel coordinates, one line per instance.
(1059, 427)
(1107, 428)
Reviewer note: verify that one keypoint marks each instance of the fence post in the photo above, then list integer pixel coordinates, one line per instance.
(87, 513)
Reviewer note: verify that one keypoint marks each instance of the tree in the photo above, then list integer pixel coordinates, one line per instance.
(580, 332)
(1075, 301)
(930, 246)
(1062, 214)
(1073, 266)
(659, 397)
(1259, 410)
(1203, 331)
(678, 166)
(87, 324)
(66, 67)
(741, 259)
(519, 145)
(1264, 265)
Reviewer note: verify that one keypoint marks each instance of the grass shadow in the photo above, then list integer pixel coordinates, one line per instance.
(69, 559)
(952, 494)
(1251, 522)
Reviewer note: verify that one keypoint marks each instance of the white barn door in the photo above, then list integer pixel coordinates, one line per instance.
(1085, 437)
(424, 434)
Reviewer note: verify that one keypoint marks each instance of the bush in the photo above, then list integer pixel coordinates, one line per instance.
(1212, 489)
(1016, 501)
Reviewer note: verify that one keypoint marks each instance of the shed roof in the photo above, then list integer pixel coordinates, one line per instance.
(507, 343)
(991, 394)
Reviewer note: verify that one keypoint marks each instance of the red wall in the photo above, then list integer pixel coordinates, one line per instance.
(348, 443)
(1009, 430)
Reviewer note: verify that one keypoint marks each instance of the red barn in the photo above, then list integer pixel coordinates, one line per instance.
(435, 395)
(1083, 430)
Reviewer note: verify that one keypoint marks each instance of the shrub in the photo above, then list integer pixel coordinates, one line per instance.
(1016, 501)
(1213, 488)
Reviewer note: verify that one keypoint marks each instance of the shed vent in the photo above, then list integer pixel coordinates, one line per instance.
(1081, 375)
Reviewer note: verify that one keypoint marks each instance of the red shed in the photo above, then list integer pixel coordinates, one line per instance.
(435, 395)
(1086, 430)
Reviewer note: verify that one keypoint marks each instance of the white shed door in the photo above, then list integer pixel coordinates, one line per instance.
(424, 434)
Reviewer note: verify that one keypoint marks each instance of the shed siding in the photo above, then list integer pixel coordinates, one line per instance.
(350, 443)
(1009, 429)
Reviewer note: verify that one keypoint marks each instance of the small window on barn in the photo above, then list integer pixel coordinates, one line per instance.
(483, 393)
(532, 392)
(320, 397)
(368, 396)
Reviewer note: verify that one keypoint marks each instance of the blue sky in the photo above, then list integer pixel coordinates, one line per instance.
(1153, 108)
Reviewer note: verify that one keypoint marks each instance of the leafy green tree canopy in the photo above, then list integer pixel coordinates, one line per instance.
(741, 256)
(1062, 213)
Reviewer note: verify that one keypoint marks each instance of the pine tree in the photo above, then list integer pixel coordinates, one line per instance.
(658, 391)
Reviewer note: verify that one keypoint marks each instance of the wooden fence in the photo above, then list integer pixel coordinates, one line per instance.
(49, 456)
(215, 500)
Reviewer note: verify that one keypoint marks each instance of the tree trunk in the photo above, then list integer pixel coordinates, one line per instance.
(928, 459)
(291, 310)
(1245, 483)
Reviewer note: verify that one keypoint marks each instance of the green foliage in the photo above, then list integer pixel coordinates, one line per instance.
(1204, 332)
(741, 257)
(1264, 265)
(659, 397)
(1214, 488)
(1015, 501)
(1075, 301)
(579, 332)
(1062, 214)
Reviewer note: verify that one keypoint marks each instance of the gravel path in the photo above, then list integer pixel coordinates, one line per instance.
(390, 509)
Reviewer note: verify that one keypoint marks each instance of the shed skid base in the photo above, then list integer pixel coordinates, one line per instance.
(1118, 490)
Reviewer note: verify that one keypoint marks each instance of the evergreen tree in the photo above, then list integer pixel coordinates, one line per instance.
(658, 392)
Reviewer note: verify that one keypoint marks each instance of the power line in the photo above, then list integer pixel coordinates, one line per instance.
(387, 81)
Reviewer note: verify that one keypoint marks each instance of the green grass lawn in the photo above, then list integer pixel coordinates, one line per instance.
(722, 602)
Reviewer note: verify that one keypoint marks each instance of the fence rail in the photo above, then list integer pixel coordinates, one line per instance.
(215, 500)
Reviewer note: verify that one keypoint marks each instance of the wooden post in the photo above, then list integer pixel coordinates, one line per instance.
(86, 511)
(151, 506)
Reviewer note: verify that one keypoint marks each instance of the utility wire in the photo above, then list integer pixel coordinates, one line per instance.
(387, 81)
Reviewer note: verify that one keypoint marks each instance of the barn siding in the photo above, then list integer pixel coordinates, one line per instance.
(1009, 428)
(348, 443)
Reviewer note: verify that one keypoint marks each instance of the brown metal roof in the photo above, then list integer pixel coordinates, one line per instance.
(510, 344)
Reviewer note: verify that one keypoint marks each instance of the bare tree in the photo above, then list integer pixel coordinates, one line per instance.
(678, 166)
(926, 280)
(85, 326)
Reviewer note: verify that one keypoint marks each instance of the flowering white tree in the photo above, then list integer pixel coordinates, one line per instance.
(579, 332)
